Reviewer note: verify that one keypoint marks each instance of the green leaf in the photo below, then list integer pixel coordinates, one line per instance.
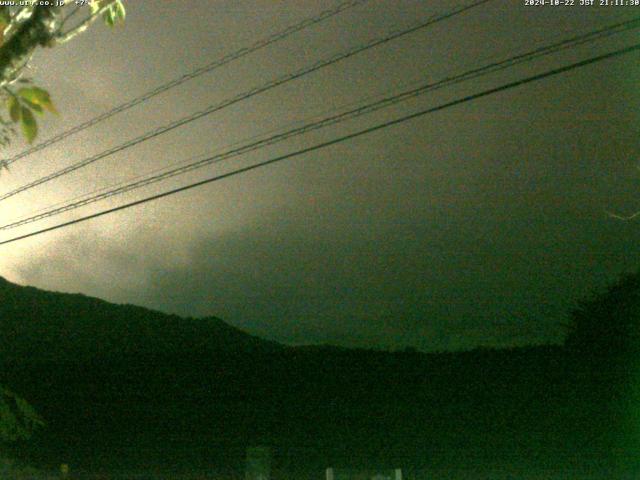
(5, 19)
(37, 96)
(116, 13)
(109, 19)
(14, 109)
(5, 15)
(34, 106)
(121, 12)
(29, 125)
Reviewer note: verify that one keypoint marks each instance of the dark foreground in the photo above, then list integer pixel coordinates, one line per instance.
(124, 389)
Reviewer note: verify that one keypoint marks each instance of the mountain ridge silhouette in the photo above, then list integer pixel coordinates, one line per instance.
(125, 387)
(67, 326)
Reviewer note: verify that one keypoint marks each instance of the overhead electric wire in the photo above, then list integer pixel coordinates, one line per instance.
(260, 44)
(605, 31)
(359, 133)
(244, 96)
(331, 120)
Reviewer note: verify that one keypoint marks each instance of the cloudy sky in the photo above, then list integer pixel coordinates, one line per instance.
(478, 225)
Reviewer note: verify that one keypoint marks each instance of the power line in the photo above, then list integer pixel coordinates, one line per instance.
(331, 120)
(265, 42)
(574, 40)
(243, 96)
(318, 146)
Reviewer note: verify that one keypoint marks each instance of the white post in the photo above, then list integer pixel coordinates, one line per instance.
(398, 474)
(329, 474)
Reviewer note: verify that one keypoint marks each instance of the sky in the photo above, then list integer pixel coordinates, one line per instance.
(482, 224)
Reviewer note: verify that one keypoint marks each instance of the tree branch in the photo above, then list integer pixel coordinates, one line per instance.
(75, 10)
(24, 14)
(82, 26)
(623, 217)
(38, 30)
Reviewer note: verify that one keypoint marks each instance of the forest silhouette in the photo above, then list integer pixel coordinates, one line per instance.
(122, 388)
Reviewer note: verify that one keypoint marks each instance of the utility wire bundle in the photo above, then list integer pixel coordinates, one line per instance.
(332, 119)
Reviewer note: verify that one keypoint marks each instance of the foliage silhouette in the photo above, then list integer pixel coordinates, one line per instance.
(24, 27)
(194, 393)
(608, 323)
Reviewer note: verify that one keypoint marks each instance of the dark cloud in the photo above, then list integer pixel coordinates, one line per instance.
(378, 283)
(481, 224)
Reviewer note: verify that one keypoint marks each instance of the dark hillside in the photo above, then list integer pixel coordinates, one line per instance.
(54, 327)
(122, 387)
